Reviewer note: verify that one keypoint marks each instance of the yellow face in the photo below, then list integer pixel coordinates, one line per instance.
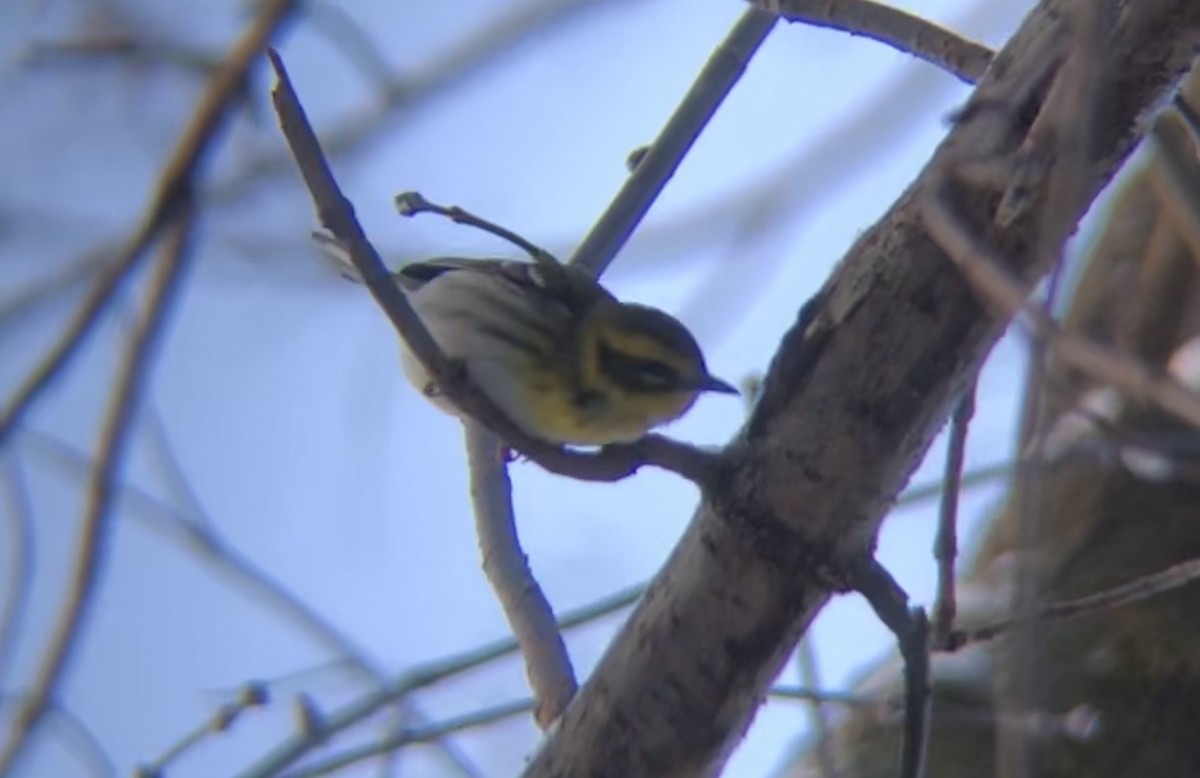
(638, 368)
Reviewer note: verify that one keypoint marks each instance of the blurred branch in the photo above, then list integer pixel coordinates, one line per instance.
(193, 530)
(77, 738)
(123, 47)
(1144, 588)
(481, 718)
(810, 676)
(173, 195)
(16, 306)
(290, 751)
(82, 742)
(529, 614)
(438, 671)
(945, 547)
(1179, 169)
(120, 419)
(985, 272)
(1064, 134)
(22, 555)
(248, 697)
(911, 628)
(497, 713)
(339, 27)
(905, 32)
(402, 95)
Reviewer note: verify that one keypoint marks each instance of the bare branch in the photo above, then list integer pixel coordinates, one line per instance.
(82, 742)
(984, 270)
(287, 753)
(20, 542)
(118, 426)
(248, 697)
(194, 531)
(810, 676)
(547, 665)
(1180, 172)
(911, 628)
(656, 166)
(425, 734)
(403, 94)
(413, 203)
(1144, 588)
(905, 32)
(945, 546)
(174, 194)
(838, 429)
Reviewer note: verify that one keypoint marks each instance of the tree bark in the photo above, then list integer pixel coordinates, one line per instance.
(856, 393)
(1134, 670)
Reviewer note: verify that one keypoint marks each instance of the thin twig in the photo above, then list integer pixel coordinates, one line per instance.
(197, 533)
(530, 616)
(250, 696)
(911, 628)
(118, 425)
(1180, 171)
(82, 742)
(287, 753)
(414, 203)
(406, 92)
(474, 720)
(969, 479)
(173, 194)
(1190, 119)
(1137, 590)
(905, 32)
(503, 711)
(810, 676)
(723, 70)
(945, 547)
(21, 545)
(808, 694)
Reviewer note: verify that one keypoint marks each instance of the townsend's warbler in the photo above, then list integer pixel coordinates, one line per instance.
(562, 357)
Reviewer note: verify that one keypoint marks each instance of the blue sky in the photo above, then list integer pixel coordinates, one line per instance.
(279, 388)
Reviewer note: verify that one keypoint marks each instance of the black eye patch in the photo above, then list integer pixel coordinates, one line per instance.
(639, 373)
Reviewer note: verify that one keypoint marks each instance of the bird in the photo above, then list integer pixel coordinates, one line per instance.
(563, 358)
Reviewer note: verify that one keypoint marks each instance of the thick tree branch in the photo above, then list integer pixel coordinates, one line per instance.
(853, 399)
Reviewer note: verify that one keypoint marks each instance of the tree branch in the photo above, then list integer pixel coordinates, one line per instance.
(529, 614)
(859, 388)
(1144, 588)
(174, 192)
(905, 32)
(118, 426)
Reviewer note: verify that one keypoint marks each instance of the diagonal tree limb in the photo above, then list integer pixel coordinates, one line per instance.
(174, 192)
(859, 388)
(116, 432)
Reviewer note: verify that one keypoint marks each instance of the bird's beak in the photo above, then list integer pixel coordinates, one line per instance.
(713, 384)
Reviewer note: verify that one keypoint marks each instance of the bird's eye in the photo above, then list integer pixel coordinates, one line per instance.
(658, 374)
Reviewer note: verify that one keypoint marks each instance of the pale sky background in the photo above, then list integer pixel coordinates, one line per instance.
(279, 385)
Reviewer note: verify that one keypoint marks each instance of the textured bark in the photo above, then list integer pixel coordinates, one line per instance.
(1137, 668)
(857, 391)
